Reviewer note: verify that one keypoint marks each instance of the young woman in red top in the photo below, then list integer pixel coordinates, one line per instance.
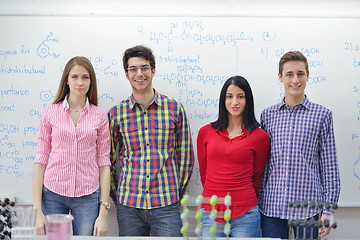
(232, 153)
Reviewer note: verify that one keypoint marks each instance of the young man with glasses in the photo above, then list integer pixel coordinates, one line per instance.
(152, 146)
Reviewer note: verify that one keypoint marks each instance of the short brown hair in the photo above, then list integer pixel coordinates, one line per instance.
(64, 89)
(141, 52)
(293, 56)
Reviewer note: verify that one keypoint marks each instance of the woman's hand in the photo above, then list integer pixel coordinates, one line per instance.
(40, 223)
(101, 226)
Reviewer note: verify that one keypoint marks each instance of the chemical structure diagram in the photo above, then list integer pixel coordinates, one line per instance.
(44, 50)
(103, 67)
(46, 95)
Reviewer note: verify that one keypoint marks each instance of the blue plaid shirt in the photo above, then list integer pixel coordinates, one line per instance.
(302, 162)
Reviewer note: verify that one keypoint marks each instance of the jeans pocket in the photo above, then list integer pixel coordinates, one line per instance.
(93, 196)
(253, 211)
(172, 207)
(45, 189)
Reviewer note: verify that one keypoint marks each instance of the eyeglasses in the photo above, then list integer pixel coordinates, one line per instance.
(143, 69)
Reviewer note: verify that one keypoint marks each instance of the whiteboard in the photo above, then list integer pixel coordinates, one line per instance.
(195, 55)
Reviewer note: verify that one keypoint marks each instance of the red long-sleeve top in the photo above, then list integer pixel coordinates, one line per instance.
(233, 166)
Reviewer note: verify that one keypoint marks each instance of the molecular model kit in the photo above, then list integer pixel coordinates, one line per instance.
(304, 206)
(213, 201)
(297, 227)
(5, 218)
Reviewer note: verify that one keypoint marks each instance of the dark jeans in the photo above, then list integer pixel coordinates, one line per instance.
(278, 228)
(164, 221)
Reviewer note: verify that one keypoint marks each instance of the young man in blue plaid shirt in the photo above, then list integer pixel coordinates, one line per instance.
(302, 162)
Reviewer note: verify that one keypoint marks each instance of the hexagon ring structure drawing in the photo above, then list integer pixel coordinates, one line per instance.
(43, 50)
(46, 95)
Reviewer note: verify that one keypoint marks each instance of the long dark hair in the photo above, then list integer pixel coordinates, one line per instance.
(249, 120)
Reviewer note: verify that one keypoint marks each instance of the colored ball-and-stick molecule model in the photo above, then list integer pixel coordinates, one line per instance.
(214, 213)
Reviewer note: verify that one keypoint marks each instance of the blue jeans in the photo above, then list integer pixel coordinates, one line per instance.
(164, 221)
(84, 209)
(246, 225)
(278, 228)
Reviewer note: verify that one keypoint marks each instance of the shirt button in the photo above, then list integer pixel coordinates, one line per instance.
(148, 160)
(147, 192)
(147, 144)
(147, 176)
(146, 129)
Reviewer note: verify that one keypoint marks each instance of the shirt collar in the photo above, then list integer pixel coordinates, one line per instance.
(66, 105)
(156, 99)
(305, 103)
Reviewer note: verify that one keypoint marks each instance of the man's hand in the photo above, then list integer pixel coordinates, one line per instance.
(324, 231)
